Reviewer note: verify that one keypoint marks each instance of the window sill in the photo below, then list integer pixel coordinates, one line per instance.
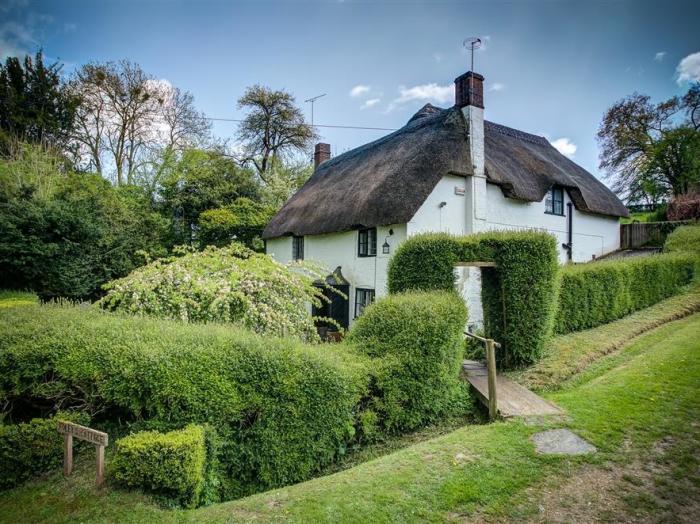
(365, 256)
(555, 214)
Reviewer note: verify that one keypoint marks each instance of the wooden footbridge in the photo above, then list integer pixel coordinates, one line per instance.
(499, 393)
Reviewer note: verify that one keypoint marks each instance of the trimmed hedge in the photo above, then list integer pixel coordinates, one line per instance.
(282, 409)
(31, 448)
(597, 293)
(417, 341)
(172, 465)
(518, 295)
(685, 239)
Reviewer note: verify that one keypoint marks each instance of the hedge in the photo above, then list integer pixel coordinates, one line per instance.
(282, 409)
(518, 295)
(597, 293)
(177, 466)
(417, 343)
(685, 239)
(33, 447)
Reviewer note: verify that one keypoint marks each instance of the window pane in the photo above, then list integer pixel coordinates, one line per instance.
(548, 203)
(372, 241)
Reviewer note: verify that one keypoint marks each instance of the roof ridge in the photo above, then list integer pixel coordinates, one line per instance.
(516, 133)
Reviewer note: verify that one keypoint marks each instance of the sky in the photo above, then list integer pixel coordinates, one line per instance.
(552, 67)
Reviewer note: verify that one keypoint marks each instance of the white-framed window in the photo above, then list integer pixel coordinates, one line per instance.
(363, 298)
(554, 202)
(297, 248)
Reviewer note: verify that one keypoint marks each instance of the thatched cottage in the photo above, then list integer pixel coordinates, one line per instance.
(445, 170)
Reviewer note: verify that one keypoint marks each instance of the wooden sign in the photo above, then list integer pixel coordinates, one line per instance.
(98, 438)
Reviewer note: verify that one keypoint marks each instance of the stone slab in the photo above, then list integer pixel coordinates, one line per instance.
(561, 442)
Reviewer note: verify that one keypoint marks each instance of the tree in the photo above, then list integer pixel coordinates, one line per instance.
(645, 150)
(242, 221)
(197, 180)
(283, 180)
(273, 129)
(35, 105)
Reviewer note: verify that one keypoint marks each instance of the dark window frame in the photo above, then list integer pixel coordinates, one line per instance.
(557, 207)
(367, 242)
(364, 292)
(297, 247)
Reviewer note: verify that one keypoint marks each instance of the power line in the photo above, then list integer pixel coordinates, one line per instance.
(314, 125)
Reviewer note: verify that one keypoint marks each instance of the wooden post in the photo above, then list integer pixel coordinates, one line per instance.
(491, 369)
(100, 465)
(67, 454)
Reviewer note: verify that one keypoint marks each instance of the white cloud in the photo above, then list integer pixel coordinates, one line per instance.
(565, 146)
(370, 103)
(497, 86)
(658, 57)
(689, 68)
(70, 27)
(359, 90)
(16, 40)
(437, 57)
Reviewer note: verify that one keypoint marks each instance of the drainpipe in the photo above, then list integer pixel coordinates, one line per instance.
(569, 246)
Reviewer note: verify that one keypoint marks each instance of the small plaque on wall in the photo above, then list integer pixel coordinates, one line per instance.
(459, 191)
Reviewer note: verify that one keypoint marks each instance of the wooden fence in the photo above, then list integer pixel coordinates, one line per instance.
(647, 234)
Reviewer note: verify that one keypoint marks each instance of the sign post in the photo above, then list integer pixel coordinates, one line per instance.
(98, 438)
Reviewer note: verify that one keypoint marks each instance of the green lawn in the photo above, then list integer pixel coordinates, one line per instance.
(630, 404)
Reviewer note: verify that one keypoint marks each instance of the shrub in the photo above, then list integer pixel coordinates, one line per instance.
(31, 448)
(598, 293)
(232, 284)
(417, 341)
(171, 465)
(518, 295)
(684, 207)
(282, 409)
(684, 239)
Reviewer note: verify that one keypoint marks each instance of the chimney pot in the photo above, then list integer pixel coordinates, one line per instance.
(322, 152)
(469, 90)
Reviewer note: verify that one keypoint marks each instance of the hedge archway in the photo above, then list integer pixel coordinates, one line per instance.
(518, 294)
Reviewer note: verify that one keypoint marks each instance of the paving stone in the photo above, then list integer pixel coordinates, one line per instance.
(561, 442)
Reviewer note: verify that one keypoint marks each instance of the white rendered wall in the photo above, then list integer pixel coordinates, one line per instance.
(593, 234)
(450, 218)
(340, 249)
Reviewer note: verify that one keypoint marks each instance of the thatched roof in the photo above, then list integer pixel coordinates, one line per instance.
(386, 181)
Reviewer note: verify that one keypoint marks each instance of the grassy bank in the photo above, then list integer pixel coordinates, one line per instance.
(625, 404)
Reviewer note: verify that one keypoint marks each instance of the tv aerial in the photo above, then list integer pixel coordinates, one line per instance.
(471, 43)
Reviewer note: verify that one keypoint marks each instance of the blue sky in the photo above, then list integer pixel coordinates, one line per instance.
(551, 68)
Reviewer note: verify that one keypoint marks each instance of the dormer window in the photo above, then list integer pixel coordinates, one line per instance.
(367, 242)
(554, 202)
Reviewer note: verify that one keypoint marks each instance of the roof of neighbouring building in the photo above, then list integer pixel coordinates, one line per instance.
(386, 181)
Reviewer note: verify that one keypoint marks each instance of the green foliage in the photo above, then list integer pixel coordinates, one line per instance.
(35, 105)
(231, 284)
(30, 448)
(171, 465)
(242, 221)
(65, 234)
(685, 239)
(283, 410)
(517, 295)
(416, 341)
(598, 293)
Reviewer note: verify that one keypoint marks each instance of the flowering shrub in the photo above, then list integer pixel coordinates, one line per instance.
(230, 284)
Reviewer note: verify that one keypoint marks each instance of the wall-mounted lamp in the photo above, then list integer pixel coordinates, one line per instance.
(442, 204)
(386, 248)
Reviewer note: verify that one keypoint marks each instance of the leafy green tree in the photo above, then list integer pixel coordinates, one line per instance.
(242, 221)
(198, 180)
(35, 104)
(648, 149)
(283, 180)
(64, 234)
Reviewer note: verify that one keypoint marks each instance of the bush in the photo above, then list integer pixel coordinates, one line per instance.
(232, 284)
(31, 448)
(598, 293)
(283, 410)
(685, 239)
(417, 343)
(684, 207)
(173, 465)
(518, 295)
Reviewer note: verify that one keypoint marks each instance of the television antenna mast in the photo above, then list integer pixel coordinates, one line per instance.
(312, 100)
(472, 43)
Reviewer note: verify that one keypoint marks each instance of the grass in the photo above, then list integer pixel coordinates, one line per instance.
(17, 298)
(624, 404)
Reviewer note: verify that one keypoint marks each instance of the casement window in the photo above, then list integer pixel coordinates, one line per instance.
(363, 298)
(367, 242)
(297, 248)
(554, 202)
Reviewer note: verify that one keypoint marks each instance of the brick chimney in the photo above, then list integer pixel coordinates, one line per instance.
(469, 97)
(322, 152)
(469, 90)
